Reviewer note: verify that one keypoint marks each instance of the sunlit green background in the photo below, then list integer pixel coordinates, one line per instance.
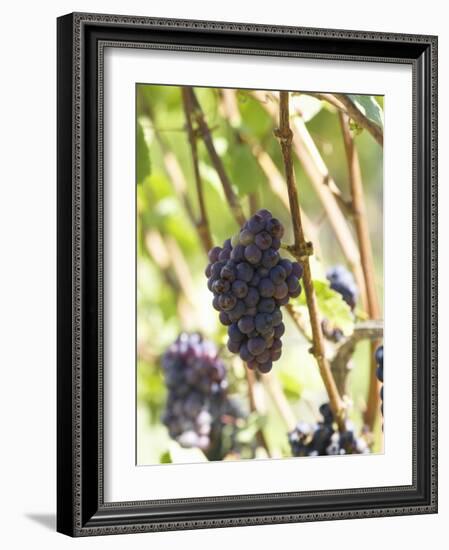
(172, 295)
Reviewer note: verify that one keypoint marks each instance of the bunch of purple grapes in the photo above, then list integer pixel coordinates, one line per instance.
(323, 439)
(197, 398)
(342, 281)
(380, 374)
(250, 282)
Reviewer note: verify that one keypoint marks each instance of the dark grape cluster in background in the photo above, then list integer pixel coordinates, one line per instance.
(342, 281)
(197, 399)
(380, 374)
(324, 439)
(250, 282)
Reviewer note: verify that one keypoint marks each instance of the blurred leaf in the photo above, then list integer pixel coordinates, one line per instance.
(165, 458)
(143, 155)
(368, 105)
(290, 383)
(255, 422)
(243, 170)
(333, 307)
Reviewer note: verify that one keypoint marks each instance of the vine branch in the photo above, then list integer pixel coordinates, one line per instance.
(285, 137)
(367, 330)
(206, 134)
(366, 256)
(203, 222)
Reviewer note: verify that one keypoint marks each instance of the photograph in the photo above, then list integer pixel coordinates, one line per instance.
(259, 274)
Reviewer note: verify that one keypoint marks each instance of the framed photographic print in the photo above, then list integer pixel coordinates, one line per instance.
(246, 225)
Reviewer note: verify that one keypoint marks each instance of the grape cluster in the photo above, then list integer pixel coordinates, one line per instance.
(342, 281)
(322, 438)
(250, 282)
(197, 400)
(380, 373)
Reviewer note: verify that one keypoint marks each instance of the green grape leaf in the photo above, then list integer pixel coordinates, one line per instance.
(331, 306)
(143, 155)
(369, 106)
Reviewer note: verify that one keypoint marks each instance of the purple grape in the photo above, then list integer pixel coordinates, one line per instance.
(277, 317)
(239, 288)
(263, 322)
(263, 240)
(224, 318)
(281, 291)
(225, 254)
(237, 311)
(228, 272)
(233, 347)
(244, 272)
(208, 270)
(292, 283)
(256, 345)
(266, 305)
(276, 243)
(297, 270)
(216, 303)
(234, 333)
(264, 213)
(213, 254)
(266, 288)
(237, 253)
(270, 258)
(246, 237)
(253, 254)
(296, 293)
(279, 330)
(246, 324)
(220, 286)
(216, 269)
(264, 357)
(278, 274)
(256, 223)
(255, 281)
(287, 265)
(227, 301)
(252, 298)
(245, 354)
(264, 368)
(283, 301)
(275, 228)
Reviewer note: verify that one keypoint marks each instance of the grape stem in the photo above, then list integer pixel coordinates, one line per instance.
(203, 223)
(206, 135)
(366, 255)
(285, 137)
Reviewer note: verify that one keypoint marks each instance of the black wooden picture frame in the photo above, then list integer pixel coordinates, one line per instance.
(81, 509)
